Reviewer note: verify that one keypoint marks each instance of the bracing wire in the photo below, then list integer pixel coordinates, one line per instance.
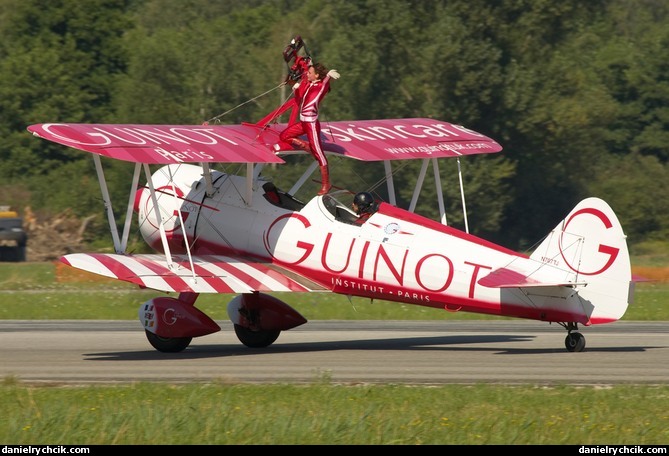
(216, 118)
(372, 187)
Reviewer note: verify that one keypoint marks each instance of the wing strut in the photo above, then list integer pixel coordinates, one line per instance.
(183, 229)
(120, 244)
(462, 195)
(437, 184)
(439, 192)
(159, 219)
(206, 173)
(131, 205)
(419, 185)
(303, 178)
(249, 184)
(118, 248)
(390, 183)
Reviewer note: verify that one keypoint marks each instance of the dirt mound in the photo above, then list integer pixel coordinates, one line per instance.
(50, 237)
(660, 274)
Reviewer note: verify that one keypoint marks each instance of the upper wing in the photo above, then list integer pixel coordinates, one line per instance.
(163, 144)
(404, 139)
(209, 274)
(368, 140)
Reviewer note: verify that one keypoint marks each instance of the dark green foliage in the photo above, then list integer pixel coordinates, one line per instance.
(60, 62)
(576, 92)
(639, 186)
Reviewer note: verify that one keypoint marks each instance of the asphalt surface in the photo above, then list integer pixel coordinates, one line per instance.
(401, 352)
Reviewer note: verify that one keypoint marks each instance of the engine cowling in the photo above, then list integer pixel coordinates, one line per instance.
(178, 189)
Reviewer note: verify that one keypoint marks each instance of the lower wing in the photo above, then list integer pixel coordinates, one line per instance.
(207, 274)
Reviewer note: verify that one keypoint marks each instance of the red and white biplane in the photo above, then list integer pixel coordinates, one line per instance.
(216, 232)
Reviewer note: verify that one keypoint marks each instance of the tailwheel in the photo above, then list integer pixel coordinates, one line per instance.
(168, 344)
(256, 339)
(575, 342)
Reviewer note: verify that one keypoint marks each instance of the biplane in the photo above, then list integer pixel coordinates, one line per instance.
(218, 232)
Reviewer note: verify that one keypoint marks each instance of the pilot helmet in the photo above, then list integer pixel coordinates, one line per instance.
(363, 200)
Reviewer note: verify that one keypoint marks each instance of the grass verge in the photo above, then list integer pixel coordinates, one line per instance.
(330, 414)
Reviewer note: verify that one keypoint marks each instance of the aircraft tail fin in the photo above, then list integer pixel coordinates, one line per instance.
(590, 242)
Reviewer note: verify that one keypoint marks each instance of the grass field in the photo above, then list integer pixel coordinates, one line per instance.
(216, 414)
(45, 291)
(320, 413)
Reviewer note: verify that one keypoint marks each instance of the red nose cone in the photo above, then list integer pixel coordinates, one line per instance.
(138, 198)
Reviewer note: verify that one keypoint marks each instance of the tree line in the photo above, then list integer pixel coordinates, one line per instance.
(576, 92)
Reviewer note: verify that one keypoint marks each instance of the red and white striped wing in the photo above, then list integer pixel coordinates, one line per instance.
(209, 274)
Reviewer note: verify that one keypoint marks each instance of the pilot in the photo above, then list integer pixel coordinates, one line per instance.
(363, 205)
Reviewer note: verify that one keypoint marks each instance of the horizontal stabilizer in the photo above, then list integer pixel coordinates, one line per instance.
(209, 273)
(508, 278)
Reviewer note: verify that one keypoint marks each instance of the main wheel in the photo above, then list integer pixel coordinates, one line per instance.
(168, 344)
(575, 342)
(256, 339)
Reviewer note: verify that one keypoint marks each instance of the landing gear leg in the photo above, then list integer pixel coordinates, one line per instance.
(575, 341)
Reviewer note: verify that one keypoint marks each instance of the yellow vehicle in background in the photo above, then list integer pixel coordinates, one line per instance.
(13, 238)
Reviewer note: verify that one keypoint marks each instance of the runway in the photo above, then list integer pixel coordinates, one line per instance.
(399, 352)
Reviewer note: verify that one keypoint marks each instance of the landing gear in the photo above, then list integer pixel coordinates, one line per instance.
(168, 344)
(575, 341)
(259, 318)
(256, 338)
(174, 322)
